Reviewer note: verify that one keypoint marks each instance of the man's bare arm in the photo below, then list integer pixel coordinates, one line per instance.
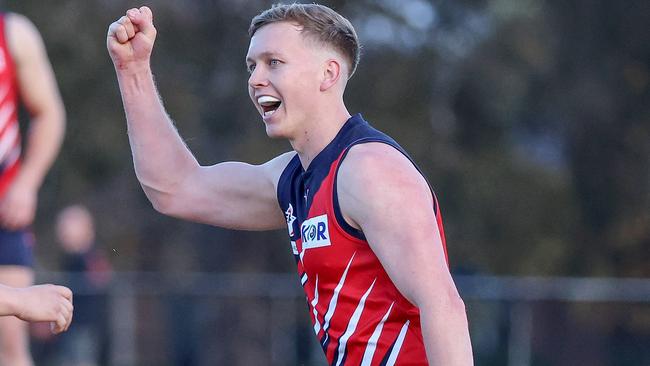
(382, 193)
(234, 195)
(40, 95)
(41, 303)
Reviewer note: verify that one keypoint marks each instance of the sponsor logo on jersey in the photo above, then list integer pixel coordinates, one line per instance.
(315, 233)
(290, 219)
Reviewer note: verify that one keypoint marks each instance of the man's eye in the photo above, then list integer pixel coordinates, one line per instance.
(274, 62)
(251, 68)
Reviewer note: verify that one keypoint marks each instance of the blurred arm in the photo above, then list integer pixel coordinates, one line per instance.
(8, 302)
(40, 95)
(395, 212)
(233, 195)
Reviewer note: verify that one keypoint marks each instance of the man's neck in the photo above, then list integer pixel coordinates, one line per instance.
(320, 131)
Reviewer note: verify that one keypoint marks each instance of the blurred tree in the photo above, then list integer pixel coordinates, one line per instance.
(531, 119)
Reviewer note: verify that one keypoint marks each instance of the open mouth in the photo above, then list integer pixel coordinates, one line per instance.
(269, 104)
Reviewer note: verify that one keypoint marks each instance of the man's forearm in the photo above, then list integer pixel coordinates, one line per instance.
(160, 156)
(446, 334)
(42, 146)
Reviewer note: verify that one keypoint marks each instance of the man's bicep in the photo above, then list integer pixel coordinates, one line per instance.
(233, 195)
(395, 212)
(410, 249)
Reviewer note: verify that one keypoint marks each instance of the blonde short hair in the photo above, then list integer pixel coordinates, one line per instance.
(319, 23)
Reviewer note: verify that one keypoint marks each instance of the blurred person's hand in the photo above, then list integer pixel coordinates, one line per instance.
(45, 303)
(130, 39)
(18, 206)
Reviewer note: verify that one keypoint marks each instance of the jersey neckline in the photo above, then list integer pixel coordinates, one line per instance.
(353, 121)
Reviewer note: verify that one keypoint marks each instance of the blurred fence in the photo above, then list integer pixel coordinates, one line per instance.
(261, 319)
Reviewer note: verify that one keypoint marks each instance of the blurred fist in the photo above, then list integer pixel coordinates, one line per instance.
(46, 303)
(18, 206)
(130, 39)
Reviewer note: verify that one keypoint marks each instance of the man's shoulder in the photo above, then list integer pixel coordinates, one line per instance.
(23, 38)
(374, 155)
(375, 178)
(16, 22)
(276, 166)
(280, 162)
(373, 167)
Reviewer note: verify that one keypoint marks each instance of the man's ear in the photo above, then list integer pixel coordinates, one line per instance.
(332, 72)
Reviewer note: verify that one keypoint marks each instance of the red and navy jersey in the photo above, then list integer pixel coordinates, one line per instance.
(358, 315)
(9, 128)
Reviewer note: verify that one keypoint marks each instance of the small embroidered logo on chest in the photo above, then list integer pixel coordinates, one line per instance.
(315, 232)
(290, 219)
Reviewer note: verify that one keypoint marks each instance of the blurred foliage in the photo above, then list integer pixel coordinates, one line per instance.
(530, 118)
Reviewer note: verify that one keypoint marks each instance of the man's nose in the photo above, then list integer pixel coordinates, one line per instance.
(258, 78)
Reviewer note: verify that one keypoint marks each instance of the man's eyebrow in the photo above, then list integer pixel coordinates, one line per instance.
(265, 54)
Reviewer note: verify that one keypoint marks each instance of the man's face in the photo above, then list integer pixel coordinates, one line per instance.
(285, 75)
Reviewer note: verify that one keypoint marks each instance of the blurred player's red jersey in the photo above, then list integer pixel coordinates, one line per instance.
(9, 128)
(358, 315)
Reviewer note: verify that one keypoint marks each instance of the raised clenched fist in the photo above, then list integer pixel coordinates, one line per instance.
(130, 39)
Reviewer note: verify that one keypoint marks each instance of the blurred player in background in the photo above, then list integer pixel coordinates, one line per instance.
(41, 303)
(365, 228)
(90, 274)
(25, 74)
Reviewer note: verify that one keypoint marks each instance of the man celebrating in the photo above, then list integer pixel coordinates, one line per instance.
(377, 281)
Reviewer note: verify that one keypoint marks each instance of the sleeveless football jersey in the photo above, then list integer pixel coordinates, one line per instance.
(9, 128)
(358, 315)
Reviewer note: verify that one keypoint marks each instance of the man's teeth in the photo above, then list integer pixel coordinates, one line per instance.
(267, 99)
(269, 104)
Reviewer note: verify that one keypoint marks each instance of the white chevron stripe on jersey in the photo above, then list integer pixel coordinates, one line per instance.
(372, 342)
(314, 302)
(335, 296)
(398, 344)
(9, 141)
(12, 157)
(6, 112)
(352, 324)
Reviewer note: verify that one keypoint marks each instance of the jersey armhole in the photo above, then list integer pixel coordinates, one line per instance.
(280, 190)
(349, 229)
